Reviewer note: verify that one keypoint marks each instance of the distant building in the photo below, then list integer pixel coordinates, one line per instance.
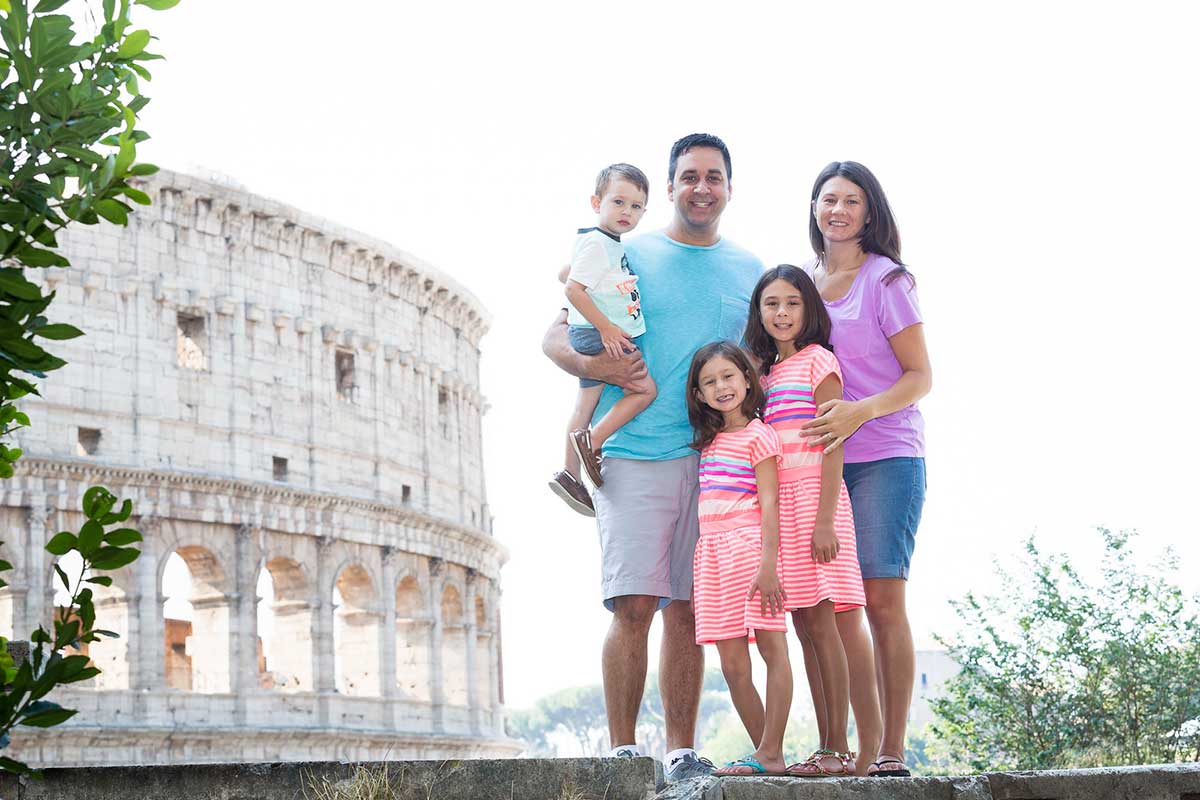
(934, 668)
(277, 395)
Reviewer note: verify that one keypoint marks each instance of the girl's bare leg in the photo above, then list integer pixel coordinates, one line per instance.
(813, 673)
(772, 646)
(831, 661)
(735, 664)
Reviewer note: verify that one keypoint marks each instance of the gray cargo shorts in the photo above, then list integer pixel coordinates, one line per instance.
(647, 516)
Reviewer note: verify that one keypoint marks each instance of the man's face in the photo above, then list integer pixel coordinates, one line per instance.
(700, 188)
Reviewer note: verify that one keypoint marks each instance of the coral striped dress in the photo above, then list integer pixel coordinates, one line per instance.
(730, 547)
(789, 387)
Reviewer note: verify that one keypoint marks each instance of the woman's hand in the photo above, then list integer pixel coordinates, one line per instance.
(825, 545)
(766, 583)
(836, 421)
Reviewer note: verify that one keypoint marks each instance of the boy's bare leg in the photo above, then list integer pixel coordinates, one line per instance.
(637, 397)
(585, 405)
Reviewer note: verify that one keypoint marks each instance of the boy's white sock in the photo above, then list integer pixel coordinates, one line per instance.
(674, 756)
(625, 748)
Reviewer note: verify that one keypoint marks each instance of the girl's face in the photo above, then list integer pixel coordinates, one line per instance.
(723, 386)
(782, 309)
(840, 210)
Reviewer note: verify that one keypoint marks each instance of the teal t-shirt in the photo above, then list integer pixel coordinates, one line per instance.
(690, 296)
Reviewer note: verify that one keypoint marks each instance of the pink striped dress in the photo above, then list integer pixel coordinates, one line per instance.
(730, 547)
(789, 387)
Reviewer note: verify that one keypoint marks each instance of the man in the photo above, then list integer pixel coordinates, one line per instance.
(695, 288)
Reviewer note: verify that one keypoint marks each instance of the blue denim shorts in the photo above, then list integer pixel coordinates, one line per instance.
(887, 496)
(588, 341)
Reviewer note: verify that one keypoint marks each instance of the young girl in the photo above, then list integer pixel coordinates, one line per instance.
(737, 556)
(788, 331)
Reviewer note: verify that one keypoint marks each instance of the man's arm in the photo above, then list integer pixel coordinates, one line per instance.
(601, 367)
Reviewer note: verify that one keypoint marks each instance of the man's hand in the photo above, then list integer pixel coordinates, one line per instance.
(624, 371)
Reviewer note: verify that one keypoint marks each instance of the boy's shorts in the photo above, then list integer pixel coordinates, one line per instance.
(588, 342)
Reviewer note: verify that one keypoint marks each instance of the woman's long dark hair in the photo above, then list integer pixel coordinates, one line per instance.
(880, 234)
(706, 421)
(817, 324)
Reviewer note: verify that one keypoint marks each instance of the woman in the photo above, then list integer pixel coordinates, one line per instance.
(878, 338)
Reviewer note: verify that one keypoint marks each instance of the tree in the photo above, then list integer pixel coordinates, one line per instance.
(579, 712)
(68, 117)
(1062, 672)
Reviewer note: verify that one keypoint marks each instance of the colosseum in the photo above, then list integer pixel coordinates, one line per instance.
(294, 409)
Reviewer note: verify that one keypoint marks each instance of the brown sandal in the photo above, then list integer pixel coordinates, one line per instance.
(813, 767)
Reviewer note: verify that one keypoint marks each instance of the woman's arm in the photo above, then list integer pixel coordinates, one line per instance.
(623, 371)
(838, 419)
(825, 544)
(766, 582)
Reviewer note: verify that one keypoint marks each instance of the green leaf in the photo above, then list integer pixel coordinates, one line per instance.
(48, 719)
(59, 331)
(98, 501)
(157, 5)
(61, 544)
(62, 576)
(112, 211)
(34, 257)
(13, 282)
(46, 6)
(90, 537)
(137, 196)
(122, 536)
(107, 558)
(134, 43)
(99, 580)
(142, 169)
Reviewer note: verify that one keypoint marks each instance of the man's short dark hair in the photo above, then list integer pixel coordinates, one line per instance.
(626, 171)
(694, 140)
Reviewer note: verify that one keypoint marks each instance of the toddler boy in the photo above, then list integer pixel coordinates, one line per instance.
(605, 314)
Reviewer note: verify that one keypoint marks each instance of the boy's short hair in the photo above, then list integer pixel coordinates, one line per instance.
(626, 171)
(694, 140)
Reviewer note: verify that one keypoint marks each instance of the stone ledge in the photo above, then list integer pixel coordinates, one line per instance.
(498, 779)
(589, 779)
(1152, 782)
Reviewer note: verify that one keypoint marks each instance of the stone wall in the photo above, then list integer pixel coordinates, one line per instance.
(275, 393)
(587, 779)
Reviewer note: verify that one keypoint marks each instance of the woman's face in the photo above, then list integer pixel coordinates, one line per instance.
(841, 210)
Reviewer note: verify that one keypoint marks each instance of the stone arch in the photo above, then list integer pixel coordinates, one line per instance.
(285, 623)
(455, 682)
(413, 622)
(483, 655)
(115, 607)
(356, 627)
(198, 650)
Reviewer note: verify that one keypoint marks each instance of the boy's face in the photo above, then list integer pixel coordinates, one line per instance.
(621, 207)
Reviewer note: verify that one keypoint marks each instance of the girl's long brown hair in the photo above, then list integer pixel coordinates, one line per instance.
(817, 325)
(707, 422)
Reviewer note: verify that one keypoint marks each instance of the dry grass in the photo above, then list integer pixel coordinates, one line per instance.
(377, 782)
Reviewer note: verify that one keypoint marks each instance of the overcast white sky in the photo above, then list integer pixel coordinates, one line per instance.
(1041, 160)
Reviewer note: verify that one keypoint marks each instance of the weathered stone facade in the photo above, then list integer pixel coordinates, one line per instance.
(274, 393)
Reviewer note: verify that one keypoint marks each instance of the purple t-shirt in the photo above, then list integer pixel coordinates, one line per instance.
(863, 320)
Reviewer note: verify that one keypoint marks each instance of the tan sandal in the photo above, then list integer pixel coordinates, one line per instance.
(813, 767)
